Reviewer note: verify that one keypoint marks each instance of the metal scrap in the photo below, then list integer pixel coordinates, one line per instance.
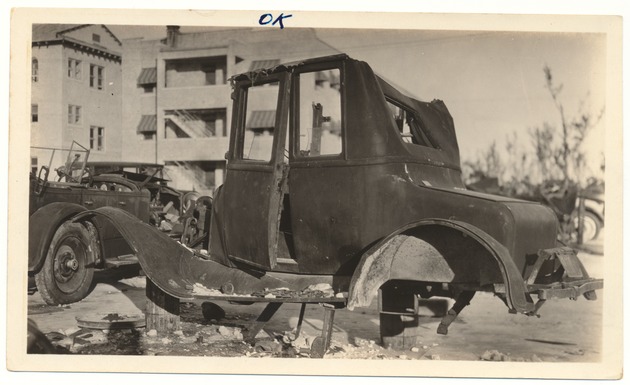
(321, 290)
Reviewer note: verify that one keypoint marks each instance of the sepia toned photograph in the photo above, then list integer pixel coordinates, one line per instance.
(252, 192)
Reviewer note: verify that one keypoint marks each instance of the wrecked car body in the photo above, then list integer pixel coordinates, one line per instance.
(335, 177)
(63, 254)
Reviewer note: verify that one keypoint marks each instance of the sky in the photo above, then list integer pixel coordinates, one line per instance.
(492, 82)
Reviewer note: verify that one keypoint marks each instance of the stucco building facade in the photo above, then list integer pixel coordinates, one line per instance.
(165, 101)
(76, 92)
(177, 105)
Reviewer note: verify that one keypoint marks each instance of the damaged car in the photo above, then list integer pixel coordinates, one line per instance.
(350, 183)
(64, 254)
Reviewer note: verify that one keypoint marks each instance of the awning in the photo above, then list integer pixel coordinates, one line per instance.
(258, 64)
(147, 125)
(261, 120)
(147, 76)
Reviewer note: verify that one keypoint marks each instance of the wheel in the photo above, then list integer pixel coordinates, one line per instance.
(67, 273)
(592, 226)
(188, 200)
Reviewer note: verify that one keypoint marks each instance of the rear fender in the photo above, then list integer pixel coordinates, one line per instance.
(403, 255)
(42, 227)
(160, 257)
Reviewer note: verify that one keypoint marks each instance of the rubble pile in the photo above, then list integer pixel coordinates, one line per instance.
(495, 355)
(321, 290)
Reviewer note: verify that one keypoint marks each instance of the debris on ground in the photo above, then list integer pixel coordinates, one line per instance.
(136, 282)
(231, 333)
(266, 345)
(111, 321)
(300, 342)
(71, 330)
(495, 355)
(222, 336)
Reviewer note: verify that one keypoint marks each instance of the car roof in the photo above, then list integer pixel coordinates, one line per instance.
(287, 66)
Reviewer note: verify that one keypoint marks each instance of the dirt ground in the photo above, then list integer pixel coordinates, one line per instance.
(567, 331)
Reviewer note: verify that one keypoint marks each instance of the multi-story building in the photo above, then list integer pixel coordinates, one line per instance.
(176, 95)
(76, 91)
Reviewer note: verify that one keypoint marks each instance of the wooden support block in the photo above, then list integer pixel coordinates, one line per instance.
(162, 310)
(401, 331)
(321, 344)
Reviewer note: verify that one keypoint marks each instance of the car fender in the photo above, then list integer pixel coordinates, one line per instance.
(162, 259)
(42, 227)
(597, 214)
(387, 260)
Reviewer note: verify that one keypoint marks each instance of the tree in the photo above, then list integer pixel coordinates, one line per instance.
(487, 164)
(517, 180)
(555, 154)
(564, 158)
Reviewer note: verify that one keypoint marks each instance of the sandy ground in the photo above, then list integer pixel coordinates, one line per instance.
(567, 331)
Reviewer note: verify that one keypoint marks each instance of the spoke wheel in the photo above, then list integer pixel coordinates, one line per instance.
(592, 226)
(66, 276)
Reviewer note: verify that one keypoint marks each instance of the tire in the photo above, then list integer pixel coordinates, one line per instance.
(37, 343)
(592, 226)
(67, 273)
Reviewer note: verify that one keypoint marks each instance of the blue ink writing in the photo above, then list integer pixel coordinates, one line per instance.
(268, 18)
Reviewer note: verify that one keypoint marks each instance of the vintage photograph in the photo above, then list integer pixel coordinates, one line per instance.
(278, 194)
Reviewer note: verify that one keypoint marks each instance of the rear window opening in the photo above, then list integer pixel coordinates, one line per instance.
(409, 125)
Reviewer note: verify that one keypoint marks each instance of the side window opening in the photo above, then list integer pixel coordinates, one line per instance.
(319, 113)
(260, 121)
(409, 125)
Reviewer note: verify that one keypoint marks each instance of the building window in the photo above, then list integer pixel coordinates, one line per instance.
(195, 72)
(96, 76)
(74, 69)
(97, 138)
(96, 38)
(34, 70)
(74, 114)
(34, 113)
(34, 164)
